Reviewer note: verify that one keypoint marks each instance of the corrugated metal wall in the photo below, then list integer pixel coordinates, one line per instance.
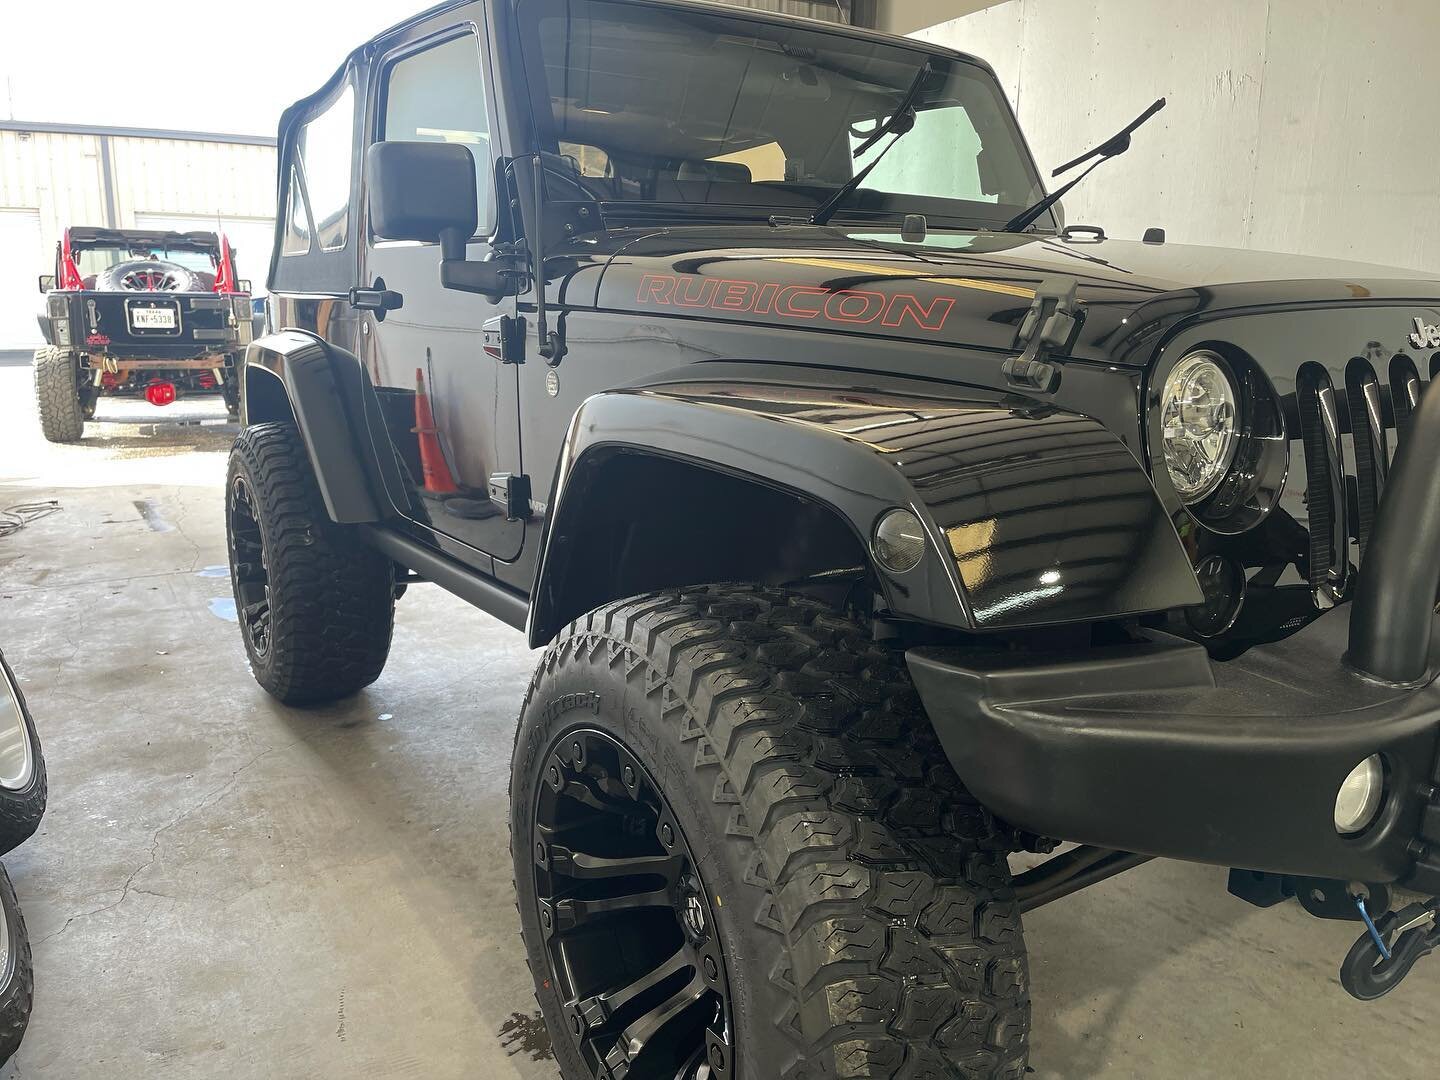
(62, 177)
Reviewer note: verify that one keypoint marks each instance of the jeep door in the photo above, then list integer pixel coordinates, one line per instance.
(449, 409)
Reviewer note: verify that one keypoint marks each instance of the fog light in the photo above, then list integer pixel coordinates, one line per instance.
(899, 541)
(1360, 796)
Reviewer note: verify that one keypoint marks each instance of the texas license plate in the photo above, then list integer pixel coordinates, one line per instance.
(152, 318)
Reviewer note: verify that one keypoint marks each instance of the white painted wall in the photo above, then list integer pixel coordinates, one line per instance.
(1305, 126)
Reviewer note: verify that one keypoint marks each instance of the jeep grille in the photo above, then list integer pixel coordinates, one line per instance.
(1342, 504)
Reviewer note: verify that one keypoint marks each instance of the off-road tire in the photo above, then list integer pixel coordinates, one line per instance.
(863, 897)
(17, 977)
(57, 394)
(22, 808)
(331, 597)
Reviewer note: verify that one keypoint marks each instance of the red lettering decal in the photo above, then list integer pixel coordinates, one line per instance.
(766, 299)
(656, 289)
(854, 306)
(929, 317)
(695, 292)
(785, 302)
(736, 296)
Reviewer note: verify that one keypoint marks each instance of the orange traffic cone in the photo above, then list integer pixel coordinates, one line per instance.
(432, 459)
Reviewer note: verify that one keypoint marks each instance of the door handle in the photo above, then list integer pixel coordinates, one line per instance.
(377, 298)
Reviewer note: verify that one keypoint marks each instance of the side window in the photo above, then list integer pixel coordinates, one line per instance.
(438, 95)
(325, 149)
(297, 219)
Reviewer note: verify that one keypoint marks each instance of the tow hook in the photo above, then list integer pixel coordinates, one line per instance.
(1382, 957)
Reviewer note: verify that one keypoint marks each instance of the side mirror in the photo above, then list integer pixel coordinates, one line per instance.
(243, 285)
(47, 282)
(422, 191)
(426, 192)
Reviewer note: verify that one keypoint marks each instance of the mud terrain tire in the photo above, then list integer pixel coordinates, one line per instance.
(57, 394)
(316, 605)
(862, 896)
(17, 976)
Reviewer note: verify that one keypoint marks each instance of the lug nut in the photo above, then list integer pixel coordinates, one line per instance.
(545, 919)
(554, 775)
(711, 971)
(667, 834)
(629, 776)
(717, 1057)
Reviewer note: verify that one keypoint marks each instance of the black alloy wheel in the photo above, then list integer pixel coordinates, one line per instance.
(627, 919)
(247, 560)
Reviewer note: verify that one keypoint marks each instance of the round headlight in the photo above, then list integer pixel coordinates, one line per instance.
(1360, 796)
(899, 541)
(1198, 425)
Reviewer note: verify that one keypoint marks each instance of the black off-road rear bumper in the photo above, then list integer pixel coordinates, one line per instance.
(1154, 748)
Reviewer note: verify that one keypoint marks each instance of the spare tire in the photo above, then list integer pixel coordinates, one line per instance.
(148, 275)
(22, 766)
(17, 975)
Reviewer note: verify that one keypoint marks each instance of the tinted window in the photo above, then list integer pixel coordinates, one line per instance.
(297, 221)
(693, 107)
(438, 95)
(325, 148)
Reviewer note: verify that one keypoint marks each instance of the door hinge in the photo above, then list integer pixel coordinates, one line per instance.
(1051, 324)
(503, 338)
(511, 493)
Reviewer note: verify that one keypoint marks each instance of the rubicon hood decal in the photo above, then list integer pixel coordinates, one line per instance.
(847, 307)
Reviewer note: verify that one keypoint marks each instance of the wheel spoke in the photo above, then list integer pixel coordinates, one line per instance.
(598, 1010)
(637, 1035)
(583, 792)
(571, 914)
(583, 867)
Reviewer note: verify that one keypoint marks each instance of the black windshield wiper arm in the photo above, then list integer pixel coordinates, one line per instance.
(901, 121)
(1112, 147)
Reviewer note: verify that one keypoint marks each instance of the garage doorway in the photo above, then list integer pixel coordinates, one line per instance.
(22, 260)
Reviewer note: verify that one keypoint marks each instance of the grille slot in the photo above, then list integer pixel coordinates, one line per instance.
(1404, 392)
(1324, 483)
(1372, 453)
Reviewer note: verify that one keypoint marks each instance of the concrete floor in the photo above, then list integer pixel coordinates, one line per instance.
(227, 888)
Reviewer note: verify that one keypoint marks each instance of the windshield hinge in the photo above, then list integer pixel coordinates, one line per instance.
(1050, 326)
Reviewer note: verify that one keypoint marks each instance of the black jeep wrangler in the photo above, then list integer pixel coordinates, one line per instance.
(138, 313)
(875, 525)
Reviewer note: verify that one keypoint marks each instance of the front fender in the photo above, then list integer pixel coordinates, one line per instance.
(1036, 516)
(292, 375)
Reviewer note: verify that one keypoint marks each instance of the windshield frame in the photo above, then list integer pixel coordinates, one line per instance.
(865, 206)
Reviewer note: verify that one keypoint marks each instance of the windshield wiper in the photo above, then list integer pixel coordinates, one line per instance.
(1110, 148)
(901, 121)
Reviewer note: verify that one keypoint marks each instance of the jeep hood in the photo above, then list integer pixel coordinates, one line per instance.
(966, 289)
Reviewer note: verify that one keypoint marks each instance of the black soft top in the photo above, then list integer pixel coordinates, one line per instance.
(84, 236)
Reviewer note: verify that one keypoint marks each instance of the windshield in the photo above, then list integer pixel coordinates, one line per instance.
(672, 106)
(93, 260)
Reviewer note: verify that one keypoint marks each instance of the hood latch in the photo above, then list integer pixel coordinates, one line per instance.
(1049, 326)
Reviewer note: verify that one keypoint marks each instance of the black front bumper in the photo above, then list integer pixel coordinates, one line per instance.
(1153, 748)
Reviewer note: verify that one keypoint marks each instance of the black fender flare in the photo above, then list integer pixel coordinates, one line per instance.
(296, 375)
(1035, 516)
